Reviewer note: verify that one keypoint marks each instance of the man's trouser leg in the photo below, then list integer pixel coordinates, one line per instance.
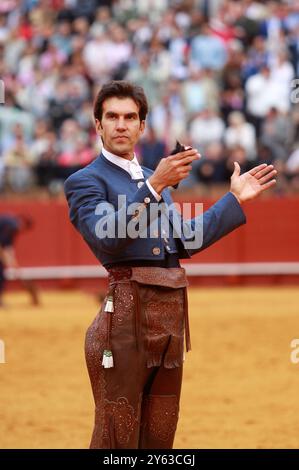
(137, 400)
(160, 409)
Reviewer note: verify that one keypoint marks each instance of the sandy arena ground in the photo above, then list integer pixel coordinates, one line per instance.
(240, 388)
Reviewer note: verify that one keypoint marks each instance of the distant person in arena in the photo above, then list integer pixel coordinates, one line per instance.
(10, 227)
(135, 345)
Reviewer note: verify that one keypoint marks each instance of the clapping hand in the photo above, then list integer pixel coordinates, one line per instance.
(252, 183)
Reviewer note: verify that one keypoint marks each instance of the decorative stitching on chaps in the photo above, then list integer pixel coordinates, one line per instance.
(94, 346)
(124, 420)
(123, 304)
(165, 325)
(161, 416)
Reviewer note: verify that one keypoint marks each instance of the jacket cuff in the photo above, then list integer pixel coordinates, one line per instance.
(157, 196)
(238, 211)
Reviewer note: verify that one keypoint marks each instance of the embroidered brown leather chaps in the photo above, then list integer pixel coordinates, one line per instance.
(137, 400)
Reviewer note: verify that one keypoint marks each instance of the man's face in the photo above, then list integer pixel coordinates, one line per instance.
(120, 126)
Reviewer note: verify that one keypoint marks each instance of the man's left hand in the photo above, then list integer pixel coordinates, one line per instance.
(253, 182)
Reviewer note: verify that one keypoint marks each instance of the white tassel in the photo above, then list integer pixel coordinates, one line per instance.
(107, 361)
(109, 307)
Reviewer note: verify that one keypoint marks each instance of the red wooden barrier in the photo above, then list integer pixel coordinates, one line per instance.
(270, 235)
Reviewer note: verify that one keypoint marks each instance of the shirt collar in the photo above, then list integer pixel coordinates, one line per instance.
(129, 165)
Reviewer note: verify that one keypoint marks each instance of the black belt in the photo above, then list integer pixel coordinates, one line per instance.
(171, 260)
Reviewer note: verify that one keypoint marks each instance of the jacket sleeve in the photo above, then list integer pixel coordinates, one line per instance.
(207, 228)
(103, 226)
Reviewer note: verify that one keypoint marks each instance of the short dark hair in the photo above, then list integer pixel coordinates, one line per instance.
(121, 89)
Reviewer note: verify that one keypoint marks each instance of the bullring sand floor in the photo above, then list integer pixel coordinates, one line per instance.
(240, 388)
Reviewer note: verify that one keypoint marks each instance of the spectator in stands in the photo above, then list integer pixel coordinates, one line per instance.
(152, 149)
(207, 127)
(97, 53)
(240, 133)
(273, 27)
(277, 133)
(282, 73)
(142, 73)
(261, 94)
(231, 74)
(256, 57)
(168, 117)
(74, 157)
(18, 164)
(207, 50)
(45, 166)
(193, 93)
(237, 154)
(11, 115)
(178, 53)
(59, 107)
(62, 39)
(212, 167)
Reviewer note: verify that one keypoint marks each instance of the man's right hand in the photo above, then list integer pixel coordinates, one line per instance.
(173, 169)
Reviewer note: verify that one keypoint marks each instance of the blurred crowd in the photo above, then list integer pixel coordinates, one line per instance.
(219, 75)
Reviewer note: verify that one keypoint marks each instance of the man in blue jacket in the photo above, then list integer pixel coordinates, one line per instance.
(135, 345)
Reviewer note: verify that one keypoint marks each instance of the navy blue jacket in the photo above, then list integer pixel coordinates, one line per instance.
(100, 183)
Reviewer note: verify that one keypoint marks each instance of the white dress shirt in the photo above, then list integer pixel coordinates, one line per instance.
(132, 167)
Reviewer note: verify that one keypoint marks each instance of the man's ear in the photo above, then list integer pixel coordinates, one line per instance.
(142, 126)
(99, 128)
